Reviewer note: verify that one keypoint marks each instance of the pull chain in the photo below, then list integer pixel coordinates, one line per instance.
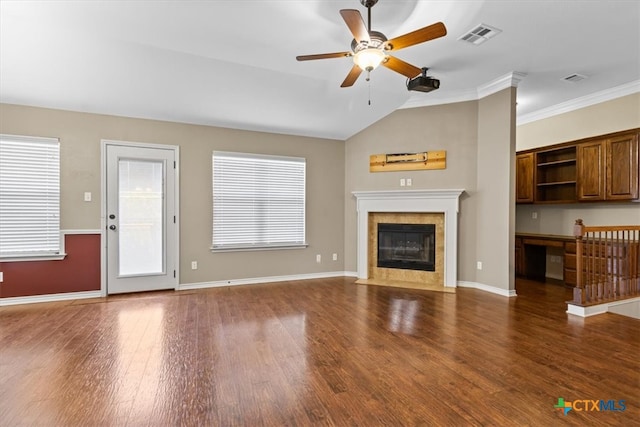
(369, 85)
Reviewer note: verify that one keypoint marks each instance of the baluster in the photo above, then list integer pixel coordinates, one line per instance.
(634, 258)
(618, 275)
(611, 264)
(579, 294)
(600, 278)
(607, 263)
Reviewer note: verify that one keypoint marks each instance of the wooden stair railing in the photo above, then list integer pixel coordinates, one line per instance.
(607, 263)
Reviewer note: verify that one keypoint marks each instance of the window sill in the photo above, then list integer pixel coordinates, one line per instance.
(27, 258)
(258, 248)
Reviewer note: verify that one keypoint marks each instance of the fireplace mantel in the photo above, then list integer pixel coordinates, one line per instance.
(426, 201)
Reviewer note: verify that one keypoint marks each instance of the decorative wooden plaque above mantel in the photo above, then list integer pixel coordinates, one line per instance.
(408, 161)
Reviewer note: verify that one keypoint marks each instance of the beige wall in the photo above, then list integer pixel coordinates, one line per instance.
(80, 135)
(611, 116)
(451, 127)
(477, 136)
(559, 219)
(606, 117)
(496, 203)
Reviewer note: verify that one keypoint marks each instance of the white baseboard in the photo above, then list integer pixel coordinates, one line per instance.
(594, 310)
(239, 282)
(50, 298)
(256, 280)
(487, 288)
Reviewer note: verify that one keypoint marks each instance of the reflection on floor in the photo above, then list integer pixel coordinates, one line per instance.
(316, 352)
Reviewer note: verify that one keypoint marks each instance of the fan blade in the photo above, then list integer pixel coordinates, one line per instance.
(352, 76)
(356, 25)
(399, 66)
(418, 36)
(323, 56)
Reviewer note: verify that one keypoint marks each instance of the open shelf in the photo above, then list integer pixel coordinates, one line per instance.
(556, 175)
(557, 183)
(557, 163)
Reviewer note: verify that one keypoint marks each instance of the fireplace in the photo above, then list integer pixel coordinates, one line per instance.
(439, 207)
(407, 246)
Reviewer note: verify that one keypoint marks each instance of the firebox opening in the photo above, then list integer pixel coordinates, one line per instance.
(407, 246)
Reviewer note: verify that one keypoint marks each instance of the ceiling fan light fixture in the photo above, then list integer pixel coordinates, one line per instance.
(369, 48)
(369, 59)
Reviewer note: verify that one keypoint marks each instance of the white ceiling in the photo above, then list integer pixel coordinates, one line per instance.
(232, 63)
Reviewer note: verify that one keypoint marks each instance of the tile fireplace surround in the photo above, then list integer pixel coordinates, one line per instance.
(404, 201)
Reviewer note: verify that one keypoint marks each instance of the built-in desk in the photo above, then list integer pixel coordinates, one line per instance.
(531, 255)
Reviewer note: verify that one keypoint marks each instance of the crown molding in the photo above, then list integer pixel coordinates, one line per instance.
(582, 102)
(511, 79)
(431, 101)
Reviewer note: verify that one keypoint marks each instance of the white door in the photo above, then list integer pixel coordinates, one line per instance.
(140, 218)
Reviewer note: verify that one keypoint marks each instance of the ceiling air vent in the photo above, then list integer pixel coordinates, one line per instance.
(573, 78)
(480, 34)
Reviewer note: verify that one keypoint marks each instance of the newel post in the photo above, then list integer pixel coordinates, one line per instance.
(579, 293)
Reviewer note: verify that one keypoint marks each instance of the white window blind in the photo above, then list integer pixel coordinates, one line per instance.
(29, 196)
(258, 201)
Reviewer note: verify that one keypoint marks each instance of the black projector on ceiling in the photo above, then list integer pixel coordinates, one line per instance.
(423, 83)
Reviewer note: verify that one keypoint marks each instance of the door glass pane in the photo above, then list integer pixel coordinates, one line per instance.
(141, 231)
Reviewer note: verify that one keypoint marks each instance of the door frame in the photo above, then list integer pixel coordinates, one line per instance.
(103, 204)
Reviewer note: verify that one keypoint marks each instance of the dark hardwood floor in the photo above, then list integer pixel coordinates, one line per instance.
(318, 352)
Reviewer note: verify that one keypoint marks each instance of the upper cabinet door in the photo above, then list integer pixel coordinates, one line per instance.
(622, 167)
(591, 171)
(524, 178)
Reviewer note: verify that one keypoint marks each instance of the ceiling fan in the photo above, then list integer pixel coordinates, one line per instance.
(369, 48)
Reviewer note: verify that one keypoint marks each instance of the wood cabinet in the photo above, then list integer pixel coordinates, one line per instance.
(531, 251)
(590, 176)
(570, 264)
(608, 169)
(601, 168)
(622, 167)
(524, 178)
(519, 258)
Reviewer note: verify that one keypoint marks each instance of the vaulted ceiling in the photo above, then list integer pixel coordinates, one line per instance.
(232, 63)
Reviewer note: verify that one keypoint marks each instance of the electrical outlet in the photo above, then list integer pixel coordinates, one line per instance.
(534, 215)
(87, 196)
(318, 258)
(335, 257)
(1, 277)
(409, 182)
(479, 265)
(194, 265)
(403, 182)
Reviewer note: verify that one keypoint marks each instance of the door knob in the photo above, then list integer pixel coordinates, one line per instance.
(112, 227)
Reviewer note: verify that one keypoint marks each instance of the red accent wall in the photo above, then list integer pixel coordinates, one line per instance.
(79, 271)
